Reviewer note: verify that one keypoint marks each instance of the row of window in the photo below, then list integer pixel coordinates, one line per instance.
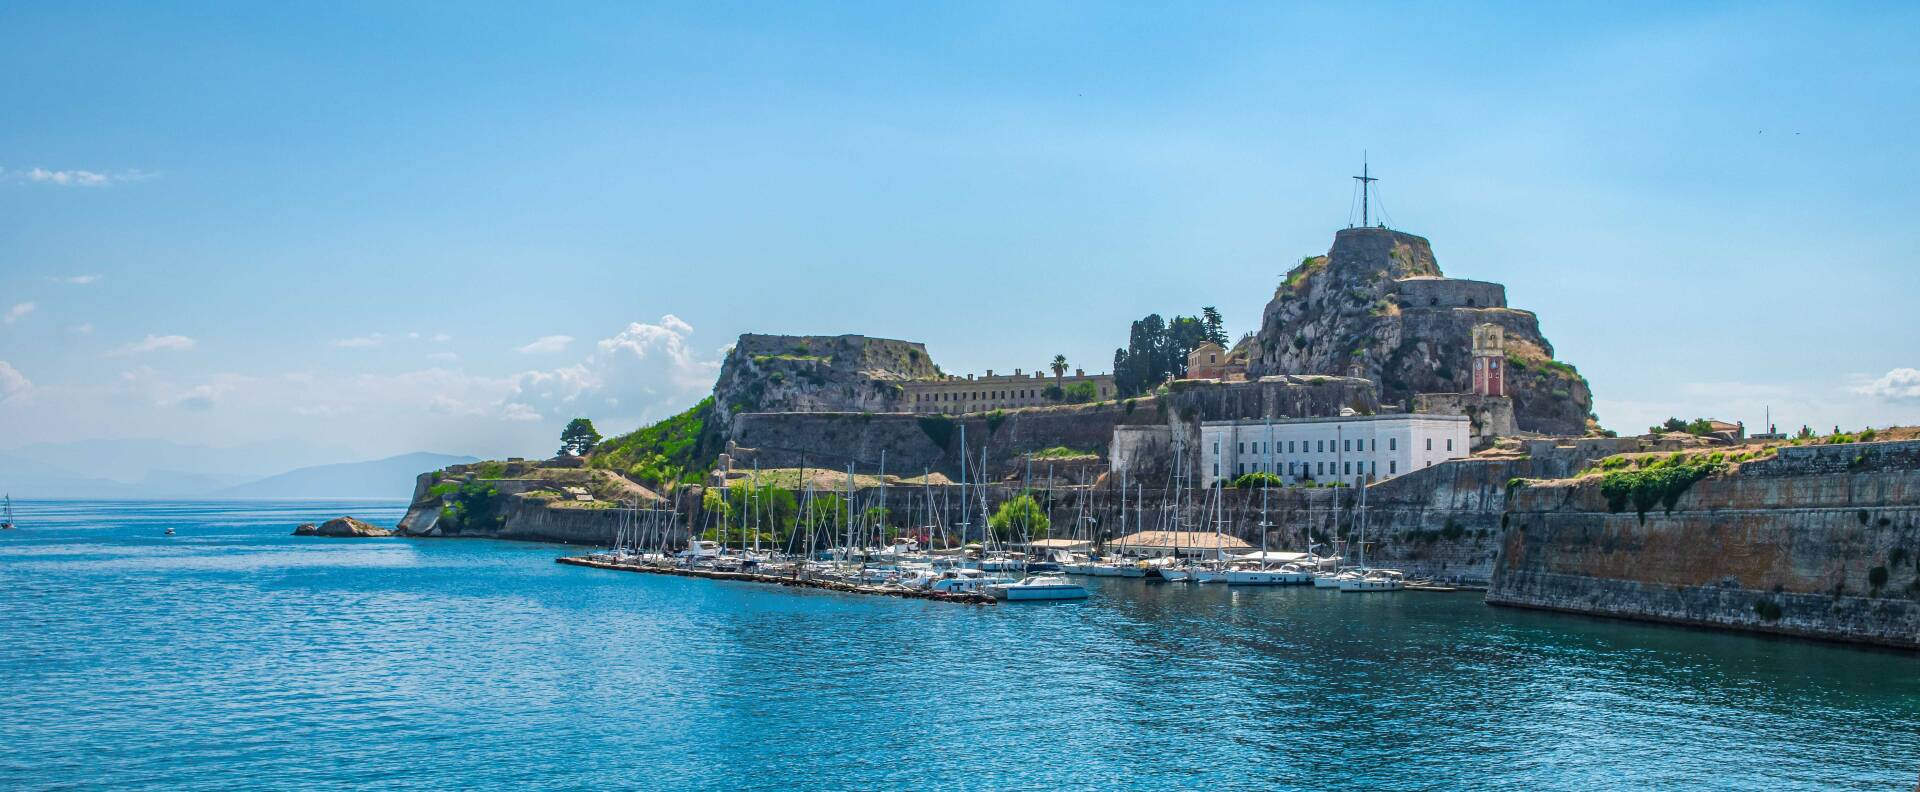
(1317, 469)
(1323, 446)
(1024, 393)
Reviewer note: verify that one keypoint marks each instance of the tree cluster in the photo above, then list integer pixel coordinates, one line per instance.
(1157, 348)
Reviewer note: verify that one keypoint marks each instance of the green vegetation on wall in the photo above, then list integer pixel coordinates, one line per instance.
(665, 453)
(470, 506)
(938, 428)
(1257, 480)
(1662, 482)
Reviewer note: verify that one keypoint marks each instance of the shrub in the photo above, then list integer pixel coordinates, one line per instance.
(938, 428)
(475, 506)
(1258, 480)
(666, 452)
(1019, 517)
(1660, 483)
(1061, 452)
(995, 419)
(1767, 609)
(1877, 576)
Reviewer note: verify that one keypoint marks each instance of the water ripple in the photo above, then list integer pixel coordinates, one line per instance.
(233, 656)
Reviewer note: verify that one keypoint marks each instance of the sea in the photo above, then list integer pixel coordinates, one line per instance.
(232, 655)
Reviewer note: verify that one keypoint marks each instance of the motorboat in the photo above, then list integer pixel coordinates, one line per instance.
(700, 550)
(1038, 587)
(954, 581)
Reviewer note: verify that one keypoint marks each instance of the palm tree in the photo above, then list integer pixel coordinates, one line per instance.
(1059, 367)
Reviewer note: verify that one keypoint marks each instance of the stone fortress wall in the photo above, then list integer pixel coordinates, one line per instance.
(1436, 292)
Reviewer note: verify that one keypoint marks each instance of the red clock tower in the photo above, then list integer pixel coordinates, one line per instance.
(1489, 360)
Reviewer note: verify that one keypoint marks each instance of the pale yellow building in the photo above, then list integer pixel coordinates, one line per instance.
(956, 395)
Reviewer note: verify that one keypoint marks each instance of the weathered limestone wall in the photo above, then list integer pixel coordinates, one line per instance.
(1492, 416)
(1820, 541)
(914, 443)
(1430, 292)
(783, 373)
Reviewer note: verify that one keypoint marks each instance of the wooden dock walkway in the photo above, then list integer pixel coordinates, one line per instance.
(782, 580)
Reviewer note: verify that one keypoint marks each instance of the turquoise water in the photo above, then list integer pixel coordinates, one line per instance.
(235, 656)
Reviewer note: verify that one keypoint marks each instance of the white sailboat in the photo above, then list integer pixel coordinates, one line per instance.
(6, 517)
(1366, 579)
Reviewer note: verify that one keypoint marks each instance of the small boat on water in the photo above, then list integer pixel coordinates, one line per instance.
(1038, 587)
(6, 519)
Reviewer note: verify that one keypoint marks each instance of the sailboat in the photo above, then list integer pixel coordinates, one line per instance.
(1265, 573)
(6, 518)
(1370, 579)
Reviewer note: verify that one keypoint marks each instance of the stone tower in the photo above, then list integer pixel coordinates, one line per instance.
(1489, 359)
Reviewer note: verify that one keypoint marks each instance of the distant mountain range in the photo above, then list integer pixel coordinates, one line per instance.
(34, 477)
(381, 478)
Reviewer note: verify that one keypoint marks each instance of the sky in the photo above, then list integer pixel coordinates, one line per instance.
(378, 228)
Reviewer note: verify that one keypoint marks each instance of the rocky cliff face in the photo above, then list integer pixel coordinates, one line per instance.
(783, 373)
(1378, 306)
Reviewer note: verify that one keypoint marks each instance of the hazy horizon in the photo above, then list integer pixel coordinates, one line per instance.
(386, 230)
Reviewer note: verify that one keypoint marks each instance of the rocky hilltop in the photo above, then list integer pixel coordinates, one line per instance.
(1378, 306)
(787, 373)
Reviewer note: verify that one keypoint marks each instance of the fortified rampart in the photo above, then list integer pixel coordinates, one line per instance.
(1819, 541)
(914, 443)
(784, 373)
(1435, 292)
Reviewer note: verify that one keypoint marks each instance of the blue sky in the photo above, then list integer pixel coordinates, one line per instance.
(451, 228)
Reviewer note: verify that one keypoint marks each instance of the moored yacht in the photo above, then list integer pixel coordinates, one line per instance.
(1263, 575)
(1038, 587)
(1374, 580)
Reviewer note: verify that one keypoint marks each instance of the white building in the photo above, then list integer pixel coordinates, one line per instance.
(1352, 448)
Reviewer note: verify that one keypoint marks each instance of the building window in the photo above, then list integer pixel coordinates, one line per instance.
(1392, 467)
(1376, 444)
(1449, 444)
(1429, 444)
(1346, 468)
(1392, 444)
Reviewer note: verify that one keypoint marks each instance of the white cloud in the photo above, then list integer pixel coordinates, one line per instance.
(514, 411)
(1901, 384)
(665, 344)
(154, 343)
(198, 397)
(18, 312)
(74, 178)
(84, 328)
(444, 357)
(546, 345)
(441, 338)
(362, 342)
(12, 382)
(75, 280)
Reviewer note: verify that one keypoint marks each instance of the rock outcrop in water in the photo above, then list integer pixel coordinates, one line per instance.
(342, 526)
